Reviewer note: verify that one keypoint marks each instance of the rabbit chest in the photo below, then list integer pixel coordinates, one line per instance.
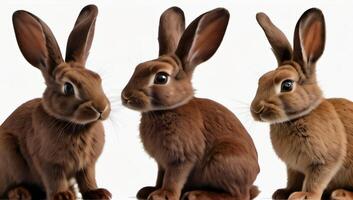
(71, 149)
(171, 137)
(289, 142)
(310, 140)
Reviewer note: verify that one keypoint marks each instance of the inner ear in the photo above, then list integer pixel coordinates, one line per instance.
(313, 41)
(36, 42)
(202, 38)
(309, 39)
(33, 49)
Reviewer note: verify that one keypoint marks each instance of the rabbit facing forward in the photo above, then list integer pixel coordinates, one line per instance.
(311, 134)
(201, 148)
(48, 141)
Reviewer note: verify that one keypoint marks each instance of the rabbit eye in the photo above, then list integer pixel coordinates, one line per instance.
(287, 86)
(69, 89)
(161, 78)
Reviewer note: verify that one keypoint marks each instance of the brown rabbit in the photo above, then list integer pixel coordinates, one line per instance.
(50, 140)
(311, 134)
(201, 148)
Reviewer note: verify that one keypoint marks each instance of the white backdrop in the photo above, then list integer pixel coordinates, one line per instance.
(126, 34)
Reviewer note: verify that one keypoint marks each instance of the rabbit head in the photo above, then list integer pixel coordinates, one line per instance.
(73, 93)
(165, 83)
(291, 90)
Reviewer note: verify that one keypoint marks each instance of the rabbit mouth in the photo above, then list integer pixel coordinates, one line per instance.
(135, 103)
(274, 120)
(270, 113)
(102, 115)
(273, 116)
(144, 102)
(132, 106)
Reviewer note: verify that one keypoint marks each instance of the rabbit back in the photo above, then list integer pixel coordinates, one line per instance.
(344, 109)
(15, 160)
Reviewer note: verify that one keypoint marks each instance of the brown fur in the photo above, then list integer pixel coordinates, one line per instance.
(311, 134)
(48, 141)
(202, 149)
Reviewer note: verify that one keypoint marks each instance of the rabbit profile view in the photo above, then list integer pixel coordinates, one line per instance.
(201, 148)
(311, 134)
(48, 141)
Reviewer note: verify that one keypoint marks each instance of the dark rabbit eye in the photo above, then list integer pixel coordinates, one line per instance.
(69, 89)
(287, 86)
(161, 78)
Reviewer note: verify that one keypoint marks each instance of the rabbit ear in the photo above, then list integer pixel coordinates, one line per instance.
(202, 38)
(309, 39)
(171, 27)
(36, 42)
(80, 39)
(279, 42)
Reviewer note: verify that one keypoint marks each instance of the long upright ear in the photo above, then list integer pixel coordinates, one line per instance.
(202, 38)
(80, 39)
(279, 42)
(36, 42)
(171, 27)
(309, 39)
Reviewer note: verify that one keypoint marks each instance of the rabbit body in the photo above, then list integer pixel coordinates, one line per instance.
(311, 134)
(211, 138)
(303, 143)
(47, 142)
(201, 148)
(31, 146)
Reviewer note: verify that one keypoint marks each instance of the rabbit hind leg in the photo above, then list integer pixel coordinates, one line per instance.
(13, 167)
(229, 170)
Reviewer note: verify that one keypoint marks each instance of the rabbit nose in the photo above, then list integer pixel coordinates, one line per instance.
(100, 114)
(101, 105)
(102, 111)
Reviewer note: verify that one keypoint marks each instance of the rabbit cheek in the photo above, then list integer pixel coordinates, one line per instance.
(66, 107)
(171, 96)
(165, 98)
(59, 105)
(294, 103)
(300, 102)
(85, 114)
(162, 97)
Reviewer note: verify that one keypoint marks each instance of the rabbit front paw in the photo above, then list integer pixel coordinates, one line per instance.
(19, 193)
(282, 193)
(144, 192)
(341, 194)
(194, 195)
(163, 195)
(67, 195)
(97, 194)
(304, 196)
